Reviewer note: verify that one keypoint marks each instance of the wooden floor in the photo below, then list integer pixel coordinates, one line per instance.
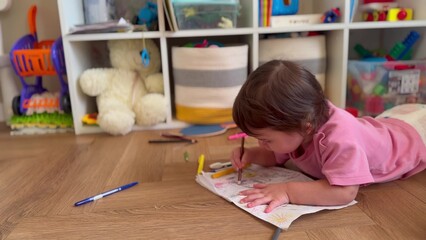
(41, 177)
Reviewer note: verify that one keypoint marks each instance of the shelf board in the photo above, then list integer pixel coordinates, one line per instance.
(302, 28)
(243, 31)
(111, 36)
(208, 32)
(384, 24)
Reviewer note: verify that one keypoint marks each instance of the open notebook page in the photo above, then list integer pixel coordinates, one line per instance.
(282, 216)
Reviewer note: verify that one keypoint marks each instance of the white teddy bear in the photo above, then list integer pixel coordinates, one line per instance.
(129, 92)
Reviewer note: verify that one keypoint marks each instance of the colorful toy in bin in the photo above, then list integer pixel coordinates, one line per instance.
(374, 105)
(204, 44)
(387, 84)
(31, 58)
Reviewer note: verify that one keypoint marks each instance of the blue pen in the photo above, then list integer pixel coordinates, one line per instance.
(112, 191)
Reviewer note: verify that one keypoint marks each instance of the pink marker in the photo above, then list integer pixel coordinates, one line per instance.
(237, 136)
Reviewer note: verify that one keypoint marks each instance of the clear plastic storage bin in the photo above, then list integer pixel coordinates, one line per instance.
(202, 14)
(376, 86)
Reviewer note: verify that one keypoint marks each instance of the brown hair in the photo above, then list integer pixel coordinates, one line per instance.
(283, 96)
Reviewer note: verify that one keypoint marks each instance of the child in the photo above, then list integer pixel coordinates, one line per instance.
(283, 106)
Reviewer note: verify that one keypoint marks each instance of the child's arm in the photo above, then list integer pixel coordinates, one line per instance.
(256, 155)
(318, 192)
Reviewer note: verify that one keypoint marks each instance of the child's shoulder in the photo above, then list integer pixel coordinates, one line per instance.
(343, 126)
(340, 119)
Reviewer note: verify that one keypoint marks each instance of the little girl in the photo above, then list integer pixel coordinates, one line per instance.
(283, 106)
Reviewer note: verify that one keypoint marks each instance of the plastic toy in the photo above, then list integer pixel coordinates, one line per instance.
(41, 123)
(400, 50)
(57, 53)
(203, 44)
(362, 52)
(31, 58)
(148, 15)
(374, 105)
(352, 111)
(374, 16)
(369, 56)
(377, 10)
(378, 5)
(225, 23)
(400, 14)
(385, 10)
(331, 15)
(375, 87)
(284, 7)
(90, 119)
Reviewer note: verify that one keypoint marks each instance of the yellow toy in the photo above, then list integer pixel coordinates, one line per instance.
(400, 14)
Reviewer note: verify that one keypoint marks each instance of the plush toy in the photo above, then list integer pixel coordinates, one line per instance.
(130, 92)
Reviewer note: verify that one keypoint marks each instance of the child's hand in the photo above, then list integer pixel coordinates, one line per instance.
(255, 155)
(236, 160)
(272, 194)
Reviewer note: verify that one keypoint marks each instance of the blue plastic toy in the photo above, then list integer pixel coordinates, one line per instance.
(400, 50)
(148, 15)
(284, 7)
(408, 43)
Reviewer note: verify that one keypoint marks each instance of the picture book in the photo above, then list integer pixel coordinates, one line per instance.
(170, 15)
(282, 216)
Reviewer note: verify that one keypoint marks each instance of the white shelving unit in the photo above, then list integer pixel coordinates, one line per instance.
(340, 39)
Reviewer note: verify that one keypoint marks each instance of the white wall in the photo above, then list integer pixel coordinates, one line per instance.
(14, 24)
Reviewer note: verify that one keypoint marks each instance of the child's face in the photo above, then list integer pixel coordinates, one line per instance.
(277, 141)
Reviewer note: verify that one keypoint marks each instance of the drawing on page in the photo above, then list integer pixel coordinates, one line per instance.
(229, 181)
(280, 218)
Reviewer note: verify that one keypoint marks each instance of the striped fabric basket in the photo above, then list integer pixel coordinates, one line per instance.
(207, 80)
(309, 52)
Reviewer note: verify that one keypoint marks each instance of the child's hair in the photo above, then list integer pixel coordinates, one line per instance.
(283, 96)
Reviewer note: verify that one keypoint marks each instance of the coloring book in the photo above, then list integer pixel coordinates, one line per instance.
(281, 216)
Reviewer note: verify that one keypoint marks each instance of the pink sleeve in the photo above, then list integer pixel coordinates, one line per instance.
(345, 163)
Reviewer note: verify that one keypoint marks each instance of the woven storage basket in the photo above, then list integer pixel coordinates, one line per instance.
(310, 52)
(207, 80)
